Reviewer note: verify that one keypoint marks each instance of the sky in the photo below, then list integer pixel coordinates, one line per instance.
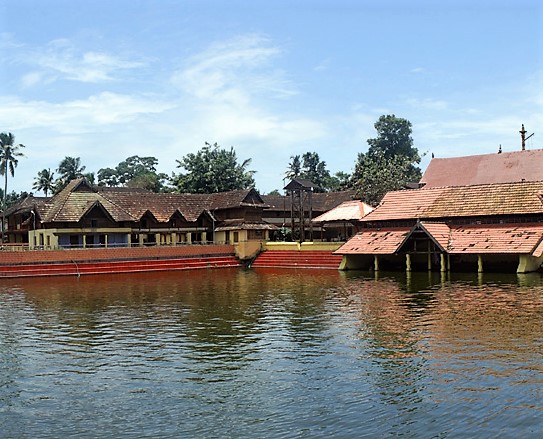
(104, 80)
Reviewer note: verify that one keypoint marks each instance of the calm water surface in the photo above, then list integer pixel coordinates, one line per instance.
(272, 354)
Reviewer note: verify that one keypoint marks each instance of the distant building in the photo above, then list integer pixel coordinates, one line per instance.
(280, 210)
(82, 215)
(473, 213)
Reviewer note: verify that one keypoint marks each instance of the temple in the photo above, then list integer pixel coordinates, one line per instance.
(475, 213)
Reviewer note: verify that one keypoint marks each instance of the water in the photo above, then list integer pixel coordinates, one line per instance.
(272, 354)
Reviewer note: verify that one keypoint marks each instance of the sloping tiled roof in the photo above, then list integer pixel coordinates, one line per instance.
(321, 201)
(520, 198)
(506, 167)
(72, 203)
(439, 231)
(465, 239)
(127, 204)
(498, 239)
(227, 200)
(375, 241)
(28, 204)
(353, 210)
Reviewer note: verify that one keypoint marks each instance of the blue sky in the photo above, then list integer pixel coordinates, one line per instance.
(104, 80)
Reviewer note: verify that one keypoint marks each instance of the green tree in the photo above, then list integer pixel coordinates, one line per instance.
(69, 169)
(108, 177)
(9, 159)
(150, 181)
(213, 169)
(394, 138)
(45, 181)
(135, 171)
(389, 163)
(340, 181)
(310, 167)
(294, 167)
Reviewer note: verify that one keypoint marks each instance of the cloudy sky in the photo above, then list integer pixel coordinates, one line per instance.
(103, 80)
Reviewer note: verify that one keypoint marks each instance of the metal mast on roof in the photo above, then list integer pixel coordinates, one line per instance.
(523, 137)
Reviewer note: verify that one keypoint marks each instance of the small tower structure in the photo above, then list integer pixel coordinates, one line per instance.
(301, 207)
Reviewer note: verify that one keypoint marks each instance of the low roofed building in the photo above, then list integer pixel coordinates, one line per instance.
(83, 215)
(473, 213)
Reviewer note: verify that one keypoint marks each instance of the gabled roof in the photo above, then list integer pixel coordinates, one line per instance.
(28, 204)
(520, 198)
(131, 204)
(506, 167)
(353, 210)
(321, 201)
(238, 198)
(300, 183)
(464, 239)
(76, 199)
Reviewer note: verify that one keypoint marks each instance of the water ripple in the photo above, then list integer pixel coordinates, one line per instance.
(285, 355)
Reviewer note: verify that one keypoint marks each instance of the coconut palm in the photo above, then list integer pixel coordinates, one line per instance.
(45, 181)
(69, 169)
(9, 159)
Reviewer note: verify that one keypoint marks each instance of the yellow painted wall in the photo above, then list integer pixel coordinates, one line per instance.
(304, 246)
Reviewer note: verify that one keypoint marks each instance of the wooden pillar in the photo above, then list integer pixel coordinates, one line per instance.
(407, 262)
(443, 262)
(429, 261)
(84, 241)
(479, 264)
(375, 263)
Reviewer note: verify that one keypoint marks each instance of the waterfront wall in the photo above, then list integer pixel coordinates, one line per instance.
(112, 254)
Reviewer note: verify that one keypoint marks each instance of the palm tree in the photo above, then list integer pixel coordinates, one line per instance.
(45, 181)
(69, 169)
(9, 159)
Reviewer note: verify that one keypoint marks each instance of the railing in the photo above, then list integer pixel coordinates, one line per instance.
(18, 247)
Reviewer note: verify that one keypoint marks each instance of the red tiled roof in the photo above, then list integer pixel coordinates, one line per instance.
(353, 210)
(462, 201)
(439, 231)
(126, 204)
(506, 167)
(375, 241)
(465, 239)
(498, 239)
(322, 201)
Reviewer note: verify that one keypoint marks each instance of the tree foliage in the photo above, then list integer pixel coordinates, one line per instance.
(213, 169)
(45, 181)
(135, 171)
(394, 138)
(68, 169)
(310, 167)
(389, 163)
(9, 159)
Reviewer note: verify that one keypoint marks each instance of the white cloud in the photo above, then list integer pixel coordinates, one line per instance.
(62, 60)
(78, 116)
(234, 70)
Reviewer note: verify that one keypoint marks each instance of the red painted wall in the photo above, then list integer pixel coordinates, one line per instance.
(120, 253)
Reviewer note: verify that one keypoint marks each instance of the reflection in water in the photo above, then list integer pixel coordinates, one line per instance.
(271, 353)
